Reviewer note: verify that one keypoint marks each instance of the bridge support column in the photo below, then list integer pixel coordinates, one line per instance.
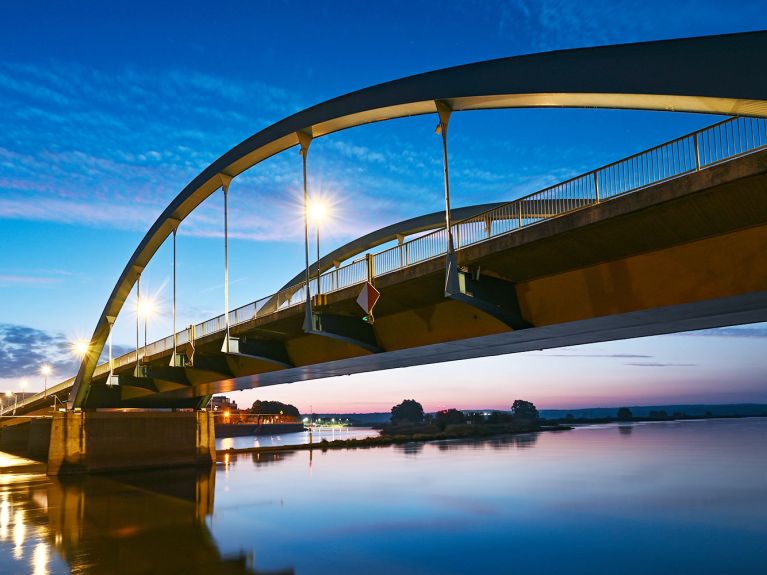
(95, 441)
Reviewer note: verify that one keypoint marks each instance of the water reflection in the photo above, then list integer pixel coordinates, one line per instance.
(500, 442)
(150, 522)
(687, 497)
(411, 449)
(231, 460)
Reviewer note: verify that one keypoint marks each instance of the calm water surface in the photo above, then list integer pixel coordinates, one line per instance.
(688, 497)
(295, 438)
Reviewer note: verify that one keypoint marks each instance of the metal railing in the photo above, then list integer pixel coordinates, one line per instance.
(712, 145)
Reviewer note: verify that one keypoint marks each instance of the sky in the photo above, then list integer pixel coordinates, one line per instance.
(107, 110)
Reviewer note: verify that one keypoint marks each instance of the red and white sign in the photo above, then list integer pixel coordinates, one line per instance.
(368, 297)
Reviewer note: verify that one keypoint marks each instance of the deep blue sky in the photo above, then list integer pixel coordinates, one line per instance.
(106, 113)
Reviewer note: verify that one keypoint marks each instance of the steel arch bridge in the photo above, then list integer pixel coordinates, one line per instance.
(715, 74)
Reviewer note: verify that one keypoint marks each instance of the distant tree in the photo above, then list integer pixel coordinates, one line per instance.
(569, 416)
(522, 409)
(624, 414)
(449, 417)
(274, 407)
(476, 417)
(409, 411)
(498, 417)
(708, 414)
(678, 415)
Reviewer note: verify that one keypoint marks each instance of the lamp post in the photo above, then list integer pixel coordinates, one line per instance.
(22, 385)
(45, 371)
(146, 309)
(318, 212)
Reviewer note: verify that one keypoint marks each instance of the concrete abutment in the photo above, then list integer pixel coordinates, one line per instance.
(86, 442)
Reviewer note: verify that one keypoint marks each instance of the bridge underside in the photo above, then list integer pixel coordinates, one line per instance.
(690, 253)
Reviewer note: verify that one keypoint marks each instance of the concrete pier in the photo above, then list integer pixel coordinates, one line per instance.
(83, 442)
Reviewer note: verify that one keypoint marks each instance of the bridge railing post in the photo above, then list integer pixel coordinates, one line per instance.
(596, 186)
(370, 261)
(697, 152)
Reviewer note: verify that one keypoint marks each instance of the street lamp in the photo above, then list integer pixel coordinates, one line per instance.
(319, 212)
(45, 371)
(7, 394)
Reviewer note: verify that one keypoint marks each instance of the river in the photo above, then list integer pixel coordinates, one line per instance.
(676, 497)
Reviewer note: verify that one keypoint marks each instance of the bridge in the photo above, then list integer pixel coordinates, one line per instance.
(667, 240)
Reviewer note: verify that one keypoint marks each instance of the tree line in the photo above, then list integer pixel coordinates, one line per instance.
(410, 412)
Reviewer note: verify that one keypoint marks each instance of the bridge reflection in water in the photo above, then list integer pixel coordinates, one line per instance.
(151, 522)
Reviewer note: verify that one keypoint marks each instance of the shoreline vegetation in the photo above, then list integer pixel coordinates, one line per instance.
(410, 434)
(409, 424)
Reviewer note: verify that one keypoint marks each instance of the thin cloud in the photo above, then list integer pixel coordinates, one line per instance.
(659, 364)
(744, 331)
(23, 350)
(106, 172)
(598, 355)
(555, 24)
(27, 280)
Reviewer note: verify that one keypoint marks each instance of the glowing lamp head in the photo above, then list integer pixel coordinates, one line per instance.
(146, 308)
(80, 348)
(23, 383)
(46, 370)
(318, 211)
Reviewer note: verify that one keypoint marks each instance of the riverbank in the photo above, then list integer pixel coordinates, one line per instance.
(458, 432)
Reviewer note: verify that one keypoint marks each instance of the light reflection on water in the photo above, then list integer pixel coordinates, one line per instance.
(677, 497)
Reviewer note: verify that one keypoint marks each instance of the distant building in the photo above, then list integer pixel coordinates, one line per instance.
(222, 403)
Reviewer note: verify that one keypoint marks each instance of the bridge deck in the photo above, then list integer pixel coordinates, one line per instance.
(686, 253)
